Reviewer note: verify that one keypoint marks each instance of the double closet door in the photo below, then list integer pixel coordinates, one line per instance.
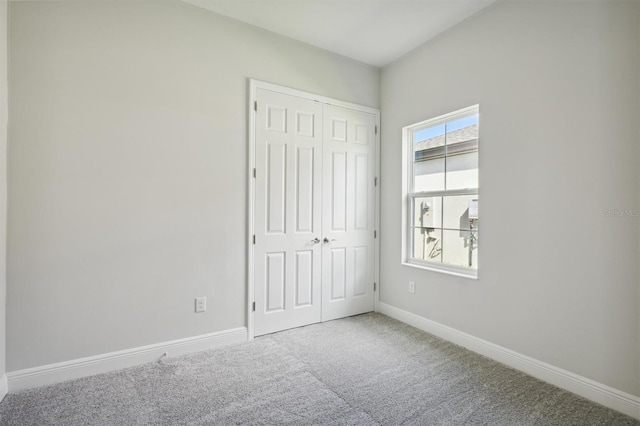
(314, 214)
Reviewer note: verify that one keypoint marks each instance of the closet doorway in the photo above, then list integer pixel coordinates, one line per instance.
(313, 209)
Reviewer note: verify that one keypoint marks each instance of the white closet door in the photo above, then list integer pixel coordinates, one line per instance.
(288, 185)
(348, 212)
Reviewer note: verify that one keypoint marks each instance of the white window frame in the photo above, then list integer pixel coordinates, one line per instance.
(408, 195)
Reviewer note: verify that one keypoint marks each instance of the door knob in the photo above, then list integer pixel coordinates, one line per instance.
(326, 240)
(316, 240)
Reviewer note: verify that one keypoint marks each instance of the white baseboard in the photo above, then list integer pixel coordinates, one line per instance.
(59, 372)
(4, 387)
(587, 388)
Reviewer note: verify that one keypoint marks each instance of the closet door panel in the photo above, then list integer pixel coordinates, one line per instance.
(348, 212)
(287, 221)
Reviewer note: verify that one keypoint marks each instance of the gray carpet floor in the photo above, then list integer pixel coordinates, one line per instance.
(363, 370)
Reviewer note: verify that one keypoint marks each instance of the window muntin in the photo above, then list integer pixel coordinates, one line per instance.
(442, 192)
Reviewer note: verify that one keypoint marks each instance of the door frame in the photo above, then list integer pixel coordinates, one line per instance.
(254, 85)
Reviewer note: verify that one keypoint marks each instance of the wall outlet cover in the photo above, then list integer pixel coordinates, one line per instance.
(201, 304)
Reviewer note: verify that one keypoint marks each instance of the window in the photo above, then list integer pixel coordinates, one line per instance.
(441, 193)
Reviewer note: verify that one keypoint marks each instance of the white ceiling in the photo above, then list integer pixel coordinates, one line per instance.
(375, 32)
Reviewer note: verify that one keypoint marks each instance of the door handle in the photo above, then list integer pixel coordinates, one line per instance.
(316, 240)
(326, 240)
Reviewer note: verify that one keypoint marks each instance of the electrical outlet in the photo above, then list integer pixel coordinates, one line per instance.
(412, 287)
(201, 304)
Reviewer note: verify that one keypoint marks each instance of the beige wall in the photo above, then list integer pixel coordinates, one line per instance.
(3, 185)
(559, 95)
(128, 169)
(638, 223)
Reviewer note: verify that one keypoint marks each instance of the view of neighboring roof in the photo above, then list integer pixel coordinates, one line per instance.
(465, 134)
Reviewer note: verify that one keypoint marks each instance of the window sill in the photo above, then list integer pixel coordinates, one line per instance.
(473, 275)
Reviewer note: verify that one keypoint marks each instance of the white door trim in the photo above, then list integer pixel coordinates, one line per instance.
(254, 85)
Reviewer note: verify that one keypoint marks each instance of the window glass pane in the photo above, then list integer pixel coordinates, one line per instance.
(456, 211)
(427, 244)
(428, 138)
(460, 248)
(462, 170)
(427, 212)
(428, 158)
(428, 175)
(462, 153)
(463, 131)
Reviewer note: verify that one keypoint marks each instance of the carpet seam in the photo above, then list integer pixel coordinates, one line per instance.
(326, 385)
